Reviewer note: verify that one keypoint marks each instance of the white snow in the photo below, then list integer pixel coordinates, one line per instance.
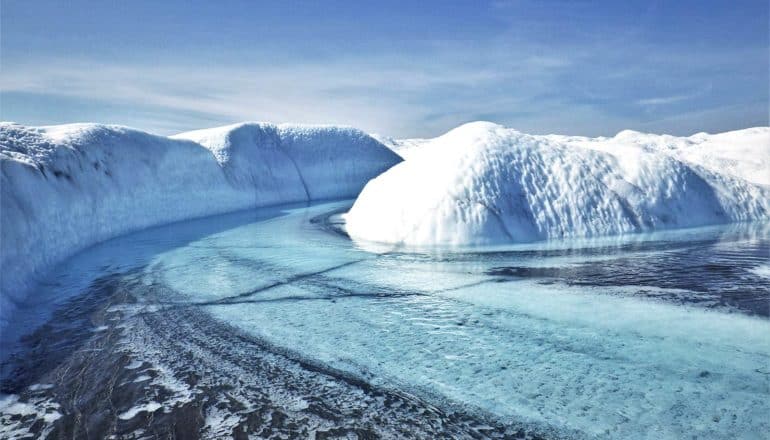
(482, 183)
(13, 412)
(149, 407)
(404, 147)
(67, 187)
(762, 271)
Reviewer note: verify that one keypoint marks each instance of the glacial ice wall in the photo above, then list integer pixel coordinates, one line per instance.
(482, 183)
(66, 187)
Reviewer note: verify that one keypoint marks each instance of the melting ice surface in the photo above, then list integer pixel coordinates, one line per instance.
(656, 336)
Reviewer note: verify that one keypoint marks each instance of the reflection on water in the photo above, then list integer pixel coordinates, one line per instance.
(661, 335)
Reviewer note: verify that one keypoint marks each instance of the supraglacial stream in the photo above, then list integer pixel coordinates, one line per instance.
(272, 323)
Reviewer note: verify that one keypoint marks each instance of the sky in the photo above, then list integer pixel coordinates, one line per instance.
(400, 69)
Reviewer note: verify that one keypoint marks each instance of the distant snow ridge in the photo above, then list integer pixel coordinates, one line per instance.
(404, 147)
(67, 187)
(482, 183)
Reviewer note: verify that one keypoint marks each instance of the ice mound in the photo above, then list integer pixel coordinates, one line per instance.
(482, 183)
(67, 187)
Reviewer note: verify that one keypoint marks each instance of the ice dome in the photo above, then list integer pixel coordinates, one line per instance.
(482, 183)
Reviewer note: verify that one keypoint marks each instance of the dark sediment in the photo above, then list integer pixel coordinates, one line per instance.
(114, 366)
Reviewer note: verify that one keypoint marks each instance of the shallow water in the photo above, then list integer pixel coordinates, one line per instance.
(648, 336)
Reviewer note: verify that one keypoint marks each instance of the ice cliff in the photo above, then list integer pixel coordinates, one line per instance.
(66, 187)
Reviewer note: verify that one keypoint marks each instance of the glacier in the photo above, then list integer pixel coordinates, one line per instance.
(67, 187)
(402, 147)
(483, 183)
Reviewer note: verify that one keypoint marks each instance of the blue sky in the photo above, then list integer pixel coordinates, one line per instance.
(404, 69)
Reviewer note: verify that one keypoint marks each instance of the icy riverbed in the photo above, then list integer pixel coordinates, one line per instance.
(641, 336)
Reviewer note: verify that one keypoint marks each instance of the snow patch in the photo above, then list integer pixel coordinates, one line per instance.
(14, 414)
(149, 407)
(134, 365)
(762, 270)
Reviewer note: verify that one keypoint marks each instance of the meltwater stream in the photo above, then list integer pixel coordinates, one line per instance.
(274, 323)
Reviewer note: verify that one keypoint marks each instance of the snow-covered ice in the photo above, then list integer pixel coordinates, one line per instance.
(290, 162)
(70, 186)
(482, 183)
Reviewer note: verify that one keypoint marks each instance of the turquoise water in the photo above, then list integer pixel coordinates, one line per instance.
(656, 336)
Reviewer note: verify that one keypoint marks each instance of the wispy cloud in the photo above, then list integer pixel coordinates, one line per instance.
(663, 100)
(375, 93)
(672, 99)
(547, 67)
